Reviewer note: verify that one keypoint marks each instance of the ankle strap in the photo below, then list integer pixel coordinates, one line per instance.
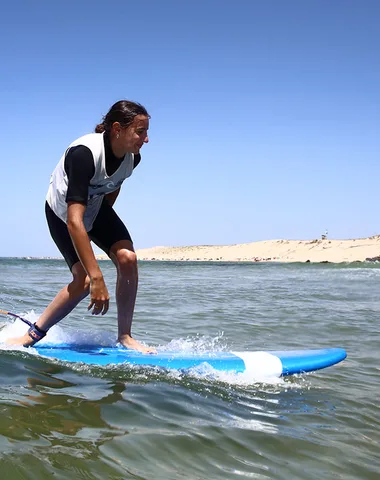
(35, 333)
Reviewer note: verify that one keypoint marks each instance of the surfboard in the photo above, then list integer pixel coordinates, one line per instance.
(260, 363)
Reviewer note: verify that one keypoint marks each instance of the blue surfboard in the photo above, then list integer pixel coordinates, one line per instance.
(270, 363)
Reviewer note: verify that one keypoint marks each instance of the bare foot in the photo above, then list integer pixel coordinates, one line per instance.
(129, 342)
(24, 341)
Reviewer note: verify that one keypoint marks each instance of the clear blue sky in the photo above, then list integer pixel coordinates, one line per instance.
(265, 115)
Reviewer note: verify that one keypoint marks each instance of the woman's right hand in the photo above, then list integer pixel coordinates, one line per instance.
(100, 298)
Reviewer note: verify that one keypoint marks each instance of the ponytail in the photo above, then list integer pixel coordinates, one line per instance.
(100, 128)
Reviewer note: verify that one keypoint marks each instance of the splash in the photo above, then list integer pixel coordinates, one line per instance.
(57, 334)
(197, 344)
(206, 372)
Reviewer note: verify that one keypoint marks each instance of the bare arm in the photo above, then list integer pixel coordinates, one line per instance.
(81, 241)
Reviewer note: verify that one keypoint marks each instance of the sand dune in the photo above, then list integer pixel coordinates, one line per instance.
(334, 251)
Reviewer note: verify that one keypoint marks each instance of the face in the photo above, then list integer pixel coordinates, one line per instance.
(133, 137)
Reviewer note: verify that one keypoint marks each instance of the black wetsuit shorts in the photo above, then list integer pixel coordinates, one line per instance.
(106, 231)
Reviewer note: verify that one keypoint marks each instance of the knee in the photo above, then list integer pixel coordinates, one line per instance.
(127, 262)
(81, 283)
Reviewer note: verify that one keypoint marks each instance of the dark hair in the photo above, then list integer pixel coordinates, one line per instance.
(123, 112)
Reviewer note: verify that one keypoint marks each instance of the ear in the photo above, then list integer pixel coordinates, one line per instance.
(116, 127)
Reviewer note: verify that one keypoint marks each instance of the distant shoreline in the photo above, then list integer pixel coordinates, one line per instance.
(314, 251)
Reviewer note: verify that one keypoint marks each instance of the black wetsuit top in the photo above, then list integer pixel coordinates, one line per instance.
(80, 168)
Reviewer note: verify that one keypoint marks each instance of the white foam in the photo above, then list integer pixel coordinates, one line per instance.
(58, 334)
(62, 333)
(196, 344)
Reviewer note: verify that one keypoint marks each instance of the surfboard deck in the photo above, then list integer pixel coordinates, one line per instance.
(260, 363)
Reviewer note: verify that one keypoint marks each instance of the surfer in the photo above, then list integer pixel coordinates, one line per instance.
(79, 209)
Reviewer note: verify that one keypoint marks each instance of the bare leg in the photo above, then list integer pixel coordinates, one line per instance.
(65, 301)
(124, 257)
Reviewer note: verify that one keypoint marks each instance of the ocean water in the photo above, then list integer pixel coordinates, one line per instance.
(63, 421)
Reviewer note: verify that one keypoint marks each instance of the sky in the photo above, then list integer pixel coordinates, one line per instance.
(265, 115)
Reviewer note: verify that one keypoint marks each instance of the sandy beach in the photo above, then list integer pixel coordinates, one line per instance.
(334, 251)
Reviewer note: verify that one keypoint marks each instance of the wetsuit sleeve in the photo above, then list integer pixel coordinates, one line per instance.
(136, 160)
(79, 168)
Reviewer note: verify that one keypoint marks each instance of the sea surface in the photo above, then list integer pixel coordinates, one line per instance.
(61, 420)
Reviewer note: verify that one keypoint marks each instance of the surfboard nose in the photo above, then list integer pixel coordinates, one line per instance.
(300, 361)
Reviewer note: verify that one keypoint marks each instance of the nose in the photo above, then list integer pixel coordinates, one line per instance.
(146, 139)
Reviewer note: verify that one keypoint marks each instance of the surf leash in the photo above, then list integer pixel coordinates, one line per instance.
(4, 312)
(34, 332)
